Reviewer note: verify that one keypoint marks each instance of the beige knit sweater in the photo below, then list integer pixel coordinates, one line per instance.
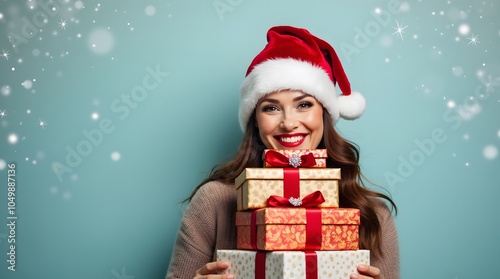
(208, 224)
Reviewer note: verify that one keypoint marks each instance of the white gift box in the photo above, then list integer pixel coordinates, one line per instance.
(292, 264)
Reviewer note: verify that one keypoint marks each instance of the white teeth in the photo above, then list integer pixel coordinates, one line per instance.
(291, 139)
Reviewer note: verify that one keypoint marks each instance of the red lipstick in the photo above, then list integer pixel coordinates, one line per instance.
(291, 140)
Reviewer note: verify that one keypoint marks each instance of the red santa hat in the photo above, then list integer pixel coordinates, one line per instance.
(294, 59)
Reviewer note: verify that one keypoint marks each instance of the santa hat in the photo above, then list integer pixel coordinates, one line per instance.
(294, 59)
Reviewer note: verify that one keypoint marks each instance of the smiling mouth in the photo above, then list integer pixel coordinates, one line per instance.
(290, 140)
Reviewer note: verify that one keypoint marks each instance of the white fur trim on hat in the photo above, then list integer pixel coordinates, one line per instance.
(286, 73)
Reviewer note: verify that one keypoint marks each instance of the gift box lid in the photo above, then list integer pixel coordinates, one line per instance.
(297, 216)
(278, 173)
(317, 153)
(308, 158)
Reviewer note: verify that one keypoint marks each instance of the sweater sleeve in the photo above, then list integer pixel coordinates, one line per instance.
(196, 238)
(389, 262)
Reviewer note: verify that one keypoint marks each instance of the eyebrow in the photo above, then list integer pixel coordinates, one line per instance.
(274, 101)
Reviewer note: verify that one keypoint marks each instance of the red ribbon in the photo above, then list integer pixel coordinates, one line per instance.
(311, 263)
(276, 159)
(291, 188)
(312, 200)
(291, 182)
(313, 229)
(253, 230)
(260, 265)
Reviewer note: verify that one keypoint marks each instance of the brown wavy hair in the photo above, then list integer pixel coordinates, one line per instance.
(342, 154)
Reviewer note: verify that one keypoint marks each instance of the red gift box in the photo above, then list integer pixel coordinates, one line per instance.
(277, 228)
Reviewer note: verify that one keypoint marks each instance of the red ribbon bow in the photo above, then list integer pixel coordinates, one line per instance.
(277, 159)
(312, 200)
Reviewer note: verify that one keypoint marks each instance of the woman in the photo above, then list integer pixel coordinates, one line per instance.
(288, 101)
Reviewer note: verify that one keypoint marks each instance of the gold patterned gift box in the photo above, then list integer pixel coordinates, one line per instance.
(255, 185)
(277, 228)
(293, 264)
(296, 156)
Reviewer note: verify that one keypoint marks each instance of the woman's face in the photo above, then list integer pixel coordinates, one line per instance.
(289, 119)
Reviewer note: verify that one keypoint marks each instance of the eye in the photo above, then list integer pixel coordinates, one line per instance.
(269, 108)
(305, 104)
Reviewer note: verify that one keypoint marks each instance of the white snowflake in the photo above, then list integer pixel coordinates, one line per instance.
(473, 40)
(116, 156)
(63, 24)
(490, 152)
(5, 54)
(42, 123)
(399, 29)
(12, 138)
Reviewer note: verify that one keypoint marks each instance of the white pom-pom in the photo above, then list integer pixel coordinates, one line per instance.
(352, 106)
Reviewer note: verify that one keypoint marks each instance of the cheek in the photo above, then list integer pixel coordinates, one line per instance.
(265, 125)
(315, 121)
(317, 129)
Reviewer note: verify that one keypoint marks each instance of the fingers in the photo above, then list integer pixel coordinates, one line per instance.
(212, 268)
(366, 272)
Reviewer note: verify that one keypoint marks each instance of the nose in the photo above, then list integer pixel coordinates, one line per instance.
(289, 122)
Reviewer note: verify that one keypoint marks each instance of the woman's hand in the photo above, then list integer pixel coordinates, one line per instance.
(367, 272)
(209, 271)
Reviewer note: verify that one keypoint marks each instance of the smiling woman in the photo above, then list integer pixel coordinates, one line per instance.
(290, 120)
(288, 101)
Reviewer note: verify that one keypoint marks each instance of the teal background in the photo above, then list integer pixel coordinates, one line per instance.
(109, 218)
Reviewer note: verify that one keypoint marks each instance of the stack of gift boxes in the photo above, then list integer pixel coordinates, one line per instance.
(289, 224)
